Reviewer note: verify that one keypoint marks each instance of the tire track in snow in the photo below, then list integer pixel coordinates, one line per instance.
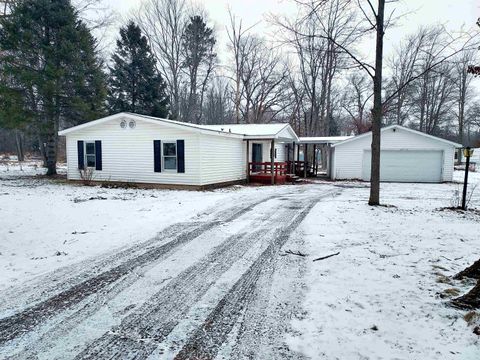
(260, 332)
(140, 333)
(22, 322)
(207, 339)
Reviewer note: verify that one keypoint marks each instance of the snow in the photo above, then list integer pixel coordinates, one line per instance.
(379, 298)
(388, 275)
(49, 224)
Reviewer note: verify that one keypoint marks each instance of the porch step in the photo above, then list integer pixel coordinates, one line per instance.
(293, 178)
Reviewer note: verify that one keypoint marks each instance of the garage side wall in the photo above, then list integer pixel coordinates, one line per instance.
(128, 156)
(348, 158)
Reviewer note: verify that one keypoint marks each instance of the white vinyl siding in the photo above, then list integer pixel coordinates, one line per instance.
(348, 158)
(222, 159)
(266, 145)
(127, 154)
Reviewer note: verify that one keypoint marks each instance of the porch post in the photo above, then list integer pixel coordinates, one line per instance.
(272, 160)
(292, 162)
(305, 152)
(248, 161)
(315, 159)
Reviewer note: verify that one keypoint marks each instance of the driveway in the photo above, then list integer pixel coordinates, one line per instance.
(214, 287)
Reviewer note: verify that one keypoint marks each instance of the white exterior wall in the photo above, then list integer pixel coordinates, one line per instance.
(347, 162)
(281, 151)
(127, 154)
(222, 159)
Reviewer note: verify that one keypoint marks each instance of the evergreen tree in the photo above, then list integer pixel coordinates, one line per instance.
(199, 63)
(134, 83)
(50, 71)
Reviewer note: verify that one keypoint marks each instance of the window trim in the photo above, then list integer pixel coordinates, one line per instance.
(164, 142)
(86, 155)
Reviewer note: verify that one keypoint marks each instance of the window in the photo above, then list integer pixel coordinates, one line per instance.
(170, 155)
(90, 154)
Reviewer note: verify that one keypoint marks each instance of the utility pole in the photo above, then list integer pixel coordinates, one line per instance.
(467, 152)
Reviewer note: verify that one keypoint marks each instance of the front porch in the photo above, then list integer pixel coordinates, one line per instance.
(261, 172)
(290, 158)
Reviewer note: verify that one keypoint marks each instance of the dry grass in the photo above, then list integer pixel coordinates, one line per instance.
(472, 317)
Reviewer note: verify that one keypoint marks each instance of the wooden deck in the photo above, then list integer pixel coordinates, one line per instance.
(261, 172)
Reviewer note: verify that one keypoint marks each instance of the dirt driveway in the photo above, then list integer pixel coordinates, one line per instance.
(215, 287)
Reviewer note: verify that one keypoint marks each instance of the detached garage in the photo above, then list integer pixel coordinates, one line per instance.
(406, 156)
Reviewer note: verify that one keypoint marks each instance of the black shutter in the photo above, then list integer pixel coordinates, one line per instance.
(81, 155)
(180, 156)
(157, 155)
(98, 155)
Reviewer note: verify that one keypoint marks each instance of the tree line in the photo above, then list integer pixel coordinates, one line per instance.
(312, 74)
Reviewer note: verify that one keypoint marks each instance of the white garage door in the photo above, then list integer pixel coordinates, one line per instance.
(406, 165)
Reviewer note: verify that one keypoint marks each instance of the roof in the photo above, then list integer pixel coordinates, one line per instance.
(246, 131)
(258, 131)
(323, 139)
(401, 128)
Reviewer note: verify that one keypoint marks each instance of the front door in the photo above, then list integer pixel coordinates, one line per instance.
(257, 157)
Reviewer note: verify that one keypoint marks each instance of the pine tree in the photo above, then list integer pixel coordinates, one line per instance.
(52, 73)
(134, 83)
(199, 62)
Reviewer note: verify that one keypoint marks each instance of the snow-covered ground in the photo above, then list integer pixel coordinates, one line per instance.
(380, 297)
(384, 296)
(48, 224)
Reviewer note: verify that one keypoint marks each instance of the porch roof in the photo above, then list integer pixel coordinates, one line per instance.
(323, 139)
(281, 132)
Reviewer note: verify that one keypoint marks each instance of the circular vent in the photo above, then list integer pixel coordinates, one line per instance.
(132, 124)
(123, 124)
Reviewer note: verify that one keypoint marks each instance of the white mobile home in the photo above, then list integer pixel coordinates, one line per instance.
(406, 156)
(133, 148)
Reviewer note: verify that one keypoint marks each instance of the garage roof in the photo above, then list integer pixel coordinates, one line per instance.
(323, 139)
(401, 128)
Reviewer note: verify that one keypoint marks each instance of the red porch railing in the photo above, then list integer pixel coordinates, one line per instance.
(262, 172)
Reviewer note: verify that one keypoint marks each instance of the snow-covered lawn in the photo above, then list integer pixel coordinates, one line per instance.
(47, 224)
(380, 297)
(384, 296)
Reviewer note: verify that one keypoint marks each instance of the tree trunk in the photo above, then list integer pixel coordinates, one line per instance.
(19, 146)
(377, 110)
(472, 271)
(51, 154)
(471, 300)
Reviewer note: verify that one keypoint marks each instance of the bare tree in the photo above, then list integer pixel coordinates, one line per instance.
(263, 76)
(218, 107)
(463, 89)
(258, 75)
(434, 89)
(163, 22)
(374, 19)
(356, 102)
(314, 37)
(404, 64)
(237, 36)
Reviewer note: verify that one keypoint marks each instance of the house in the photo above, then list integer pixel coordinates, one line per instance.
(406, 156)
(134, 148)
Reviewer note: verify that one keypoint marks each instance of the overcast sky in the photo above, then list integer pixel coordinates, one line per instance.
(452, 13)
